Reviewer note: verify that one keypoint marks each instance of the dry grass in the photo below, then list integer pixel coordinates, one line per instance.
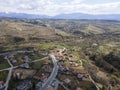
(23, 29)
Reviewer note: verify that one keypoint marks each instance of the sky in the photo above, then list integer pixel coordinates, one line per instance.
(55, 7)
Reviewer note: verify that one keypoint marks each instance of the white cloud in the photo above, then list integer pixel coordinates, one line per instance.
(53, 7)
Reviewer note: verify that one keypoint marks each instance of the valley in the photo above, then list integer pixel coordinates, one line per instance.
(57, 54)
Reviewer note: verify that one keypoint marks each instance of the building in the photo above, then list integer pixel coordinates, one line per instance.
(14, 61)
(43, 78)
(38, 86)
(67, 81)
(82, 76)
(17, 75)
(49, 88)
(94, 45)
(74, 64)
(109, 87)
(78, 88)
(24, 85)
(36, 77)
(10, 56)
(64, 50)
(48, 68)
(27, 59)
(2, 85)
(25, 65)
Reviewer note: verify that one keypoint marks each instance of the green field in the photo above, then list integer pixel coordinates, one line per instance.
(3, 63)
(3, 75)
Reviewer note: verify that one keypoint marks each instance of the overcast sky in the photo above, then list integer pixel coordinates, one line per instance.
(54, 7)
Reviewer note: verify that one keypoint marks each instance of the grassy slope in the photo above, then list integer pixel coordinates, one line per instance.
(23, 29)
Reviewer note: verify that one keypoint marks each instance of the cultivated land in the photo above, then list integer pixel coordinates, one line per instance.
(59, 54)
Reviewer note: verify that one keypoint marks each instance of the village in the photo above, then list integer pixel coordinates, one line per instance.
(39, 70)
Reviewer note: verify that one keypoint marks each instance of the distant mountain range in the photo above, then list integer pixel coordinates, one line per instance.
(21, 15)
(88, 16)
(62, 16)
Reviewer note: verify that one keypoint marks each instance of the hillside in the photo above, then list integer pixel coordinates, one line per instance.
(23, 29)
(93, 43)
(51, 28)
(86, 26)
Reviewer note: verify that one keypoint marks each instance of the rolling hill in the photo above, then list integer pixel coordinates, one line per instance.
(23, 29)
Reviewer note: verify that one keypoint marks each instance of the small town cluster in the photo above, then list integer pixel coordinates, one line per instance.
(39, 70)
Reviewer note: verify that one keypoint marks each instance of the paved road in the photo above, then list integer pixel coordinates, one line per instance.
(9, 75)
(48, 81)
(8, 78)
(61, 83)
(8, 68)
(4, 69)
(53, 74)
(40, 59)
(56, 84)
(12, 67)
(9, 62)
(94, 82)
(10, 71)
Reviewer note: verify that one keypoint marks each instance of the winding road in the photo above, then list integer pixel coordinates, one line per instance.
(53, 74)
(50, 79)
(47, 82)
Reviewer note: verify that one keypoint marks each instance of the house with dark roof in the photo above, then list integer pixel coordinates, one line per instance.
(2, 85)
(24, 85)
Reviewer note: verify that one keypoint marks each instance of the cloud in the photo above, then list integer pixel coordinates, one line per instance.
(53, 7)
